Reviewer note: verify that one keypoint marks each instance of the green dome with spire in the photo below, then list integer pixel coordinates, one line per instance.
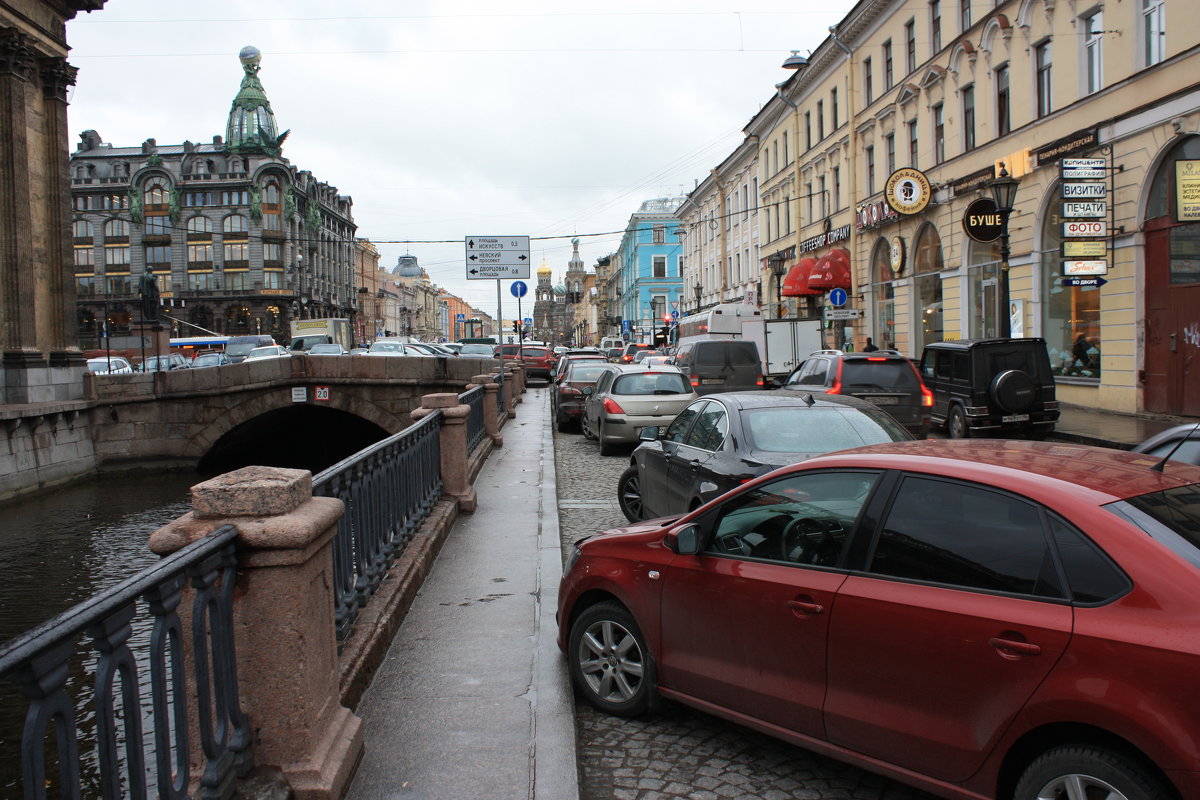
(251, 127)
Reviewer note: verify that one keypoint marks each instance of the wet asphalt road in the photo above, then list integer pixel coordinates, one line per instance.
(679, 752)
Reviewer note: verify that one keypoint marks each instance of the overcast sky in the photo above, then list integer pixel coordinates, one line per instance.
(444, 120)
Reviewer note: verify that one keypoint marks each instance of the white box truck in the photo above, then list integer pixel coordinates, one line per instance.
(324, 330)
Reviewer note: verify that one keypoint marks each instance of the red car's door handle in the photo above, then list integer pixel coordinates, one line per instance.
(805, 608)
(1012, 647)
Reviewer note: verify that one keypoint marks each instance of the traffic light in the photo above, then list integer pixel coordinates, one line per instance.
(516, 326)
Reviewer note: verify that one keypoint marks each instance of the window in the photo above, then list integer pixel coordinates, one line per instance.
(199, 227)
(775, 156)
(785, 149)
(745, 201)
(800, 519)
(820, 120)
(870, 177)
(939, 134)
(237, 280)
(1093, 53)
(236, 252)
(659, 235)
(808, 130)
(272, 206)
(913, 143)
(910, 46)
(711, 426)
(935, 25)
(234, 223)
(1154, 31)
(272, 279)
(660, 267)
(1042, 60)
(868, 90)
(158, 256)
(84, 256)
(966, 536)
(889, 148)
(157, 225)
(81, 229)
(273, 252)
(200, 253)
(1003, 112)
(808, 192)
(824, 196)
(116, 229)
(964, 15)
(201, 281)
(836, 173)
(968, 104)
(833, 108)
(677, 430)
(889, 79)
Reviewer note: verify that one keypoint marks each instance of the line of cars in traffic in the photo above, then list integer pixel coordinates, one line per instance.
(980, 618)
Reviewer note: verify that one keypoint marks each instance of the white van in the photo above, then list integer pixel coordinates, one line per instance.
(611, 341)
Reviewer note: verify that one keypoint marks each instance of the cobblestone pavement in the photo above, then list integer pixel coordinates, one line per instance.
(680, 753)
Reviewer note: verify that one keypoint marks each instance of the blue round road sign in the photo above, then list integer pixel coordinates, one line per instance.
(837, 297)
(519, 289)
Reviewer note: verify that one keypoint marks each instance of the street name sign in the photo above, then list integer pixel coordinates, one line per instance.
(1094, 209)
(492, 257)
(843, 313)
(1072, 268)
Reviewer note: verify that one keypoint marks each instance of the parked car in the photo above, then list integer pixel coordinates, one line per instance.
(990, 386)
(613, 354)
(884, 377)
(392, 347)
(477, 350)
(238, 347)
(454, 346)
(327, 349)
(163, 363)
(572, 358)
(720, 365)
(723, 440)
(268, 352)
(981, 619)
(629, 398)
(109, 365)
(431, 348)
(628, 352)
(1181, 443)
(566, 396)
(539, 361)
(210, 359)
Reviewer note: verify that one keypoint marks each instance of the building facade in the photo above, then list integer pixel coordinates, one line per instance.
(238, 239)
(649, 269)
(911, 110)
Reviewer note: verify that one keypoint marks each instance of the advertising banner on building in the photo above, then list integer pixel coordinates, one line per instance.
(1187, 190)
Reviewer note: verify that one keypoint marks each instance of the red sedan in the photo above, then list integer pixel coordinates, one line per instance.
(981, 619)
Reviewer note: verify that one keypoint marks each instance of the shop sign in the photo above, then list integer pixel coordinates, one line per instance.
(1097, 282)
(982, 222)
(1084, 190)
(1084, 229)
(1082, 169)
(1095, 208)
(873, 215)
(1085, 267)
(908, 191)
(829, 237)
(1067, 146)
(978, 179)
(896, 256)
(1085, 248)
(1187, 190)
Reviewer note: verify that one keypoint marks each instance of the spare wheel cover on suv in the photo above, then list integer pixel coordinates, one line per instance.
(1013, 390)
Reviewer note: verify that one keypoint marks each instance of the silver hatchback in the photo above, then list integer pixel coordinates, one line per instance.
(629, 398)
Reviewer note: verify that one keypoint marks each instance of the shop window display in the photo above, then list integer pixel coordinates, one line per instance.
(1070, 314)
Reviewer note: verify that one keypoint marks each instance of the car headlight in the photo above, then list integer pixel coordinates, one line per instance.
(576, 552)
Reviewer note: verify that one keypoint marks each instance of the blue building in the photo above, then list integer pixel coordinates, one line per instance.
(649, 265)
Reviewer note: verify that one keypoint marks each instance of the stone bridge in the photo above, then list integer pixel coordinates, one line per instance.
(190, 417)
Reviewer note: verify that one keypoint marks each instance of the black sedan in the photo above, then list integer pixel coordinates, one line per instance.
(723, 440)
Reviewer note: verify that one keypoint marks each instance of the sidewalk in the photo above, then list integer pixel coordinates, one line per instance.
(1106, 429)
(473, 699)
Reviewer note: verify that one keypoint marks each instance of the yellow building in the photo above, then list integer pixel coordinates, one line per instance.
(1093, 108)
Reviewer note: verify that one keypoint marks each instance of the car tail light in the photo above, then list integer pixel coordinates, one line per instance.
(759, 382)
(875, 358)
(612, 407)
(926, 397)
(694, 380)
(837, 382)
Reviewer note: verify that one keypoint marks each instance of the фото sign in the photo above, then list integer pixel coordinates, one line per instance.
(1084, 229)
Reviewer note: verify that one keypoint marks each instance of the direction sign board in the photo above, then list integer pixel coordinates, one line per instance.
(1084, 208)
(843, 313)
(1084, 190)
(1085, 267)
(1084, 229)
(492, 257)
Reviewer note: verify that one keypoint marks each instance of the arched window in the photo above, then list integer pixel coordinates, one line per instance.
(885, 295)
(927, 284)
(156, 199)
(983, 276)
(116, 229)
(234, 223)
(199, 227)
(272, 206)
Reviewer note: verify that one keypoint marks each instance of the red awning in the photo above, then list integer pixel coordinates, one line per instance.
(831, 272)
(795, 283)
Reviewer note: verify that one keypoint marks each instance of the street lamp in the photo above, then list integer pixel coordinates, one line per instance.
(1004, 192)
(698, 290)
(778, 268)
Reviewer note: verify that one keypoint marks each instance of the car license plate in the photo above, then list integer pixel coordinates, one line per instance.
(883, 400)
(712, 380)
(1015, 418)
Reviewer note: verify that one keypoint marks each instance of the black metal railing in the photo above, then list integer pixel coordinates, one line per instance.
(500, 394)
(128, 689)
(388, 490)
(475, 428)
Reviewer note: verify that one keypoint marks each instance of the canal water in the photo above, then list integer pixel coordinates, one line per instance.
(60, 548)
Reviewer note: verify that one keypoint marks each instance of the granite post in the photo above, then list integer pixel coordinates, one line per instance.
(455, 479)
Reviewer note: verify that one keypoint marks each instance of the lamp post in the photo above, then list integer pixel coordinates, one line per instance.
(1004, 192)
(698, 290)
(778, 268)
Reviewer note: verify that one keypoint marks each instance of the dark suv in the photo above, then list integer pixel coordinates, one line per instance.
(991, 386)
(884, 377)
